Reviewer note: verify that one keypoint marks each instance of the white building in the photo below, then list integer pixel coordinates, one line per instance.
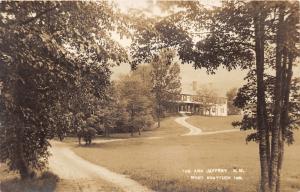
(189, 102)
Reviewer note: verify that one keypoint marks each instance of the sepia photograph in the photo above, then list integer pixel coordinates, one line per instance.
(150, 96)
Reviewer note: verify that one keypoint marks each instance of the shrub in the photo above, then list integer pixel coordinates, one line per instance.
(46, 182)
(88, 134)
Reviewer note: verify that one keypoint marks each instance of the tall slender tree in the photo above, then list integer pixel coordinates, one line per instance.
(166, 84)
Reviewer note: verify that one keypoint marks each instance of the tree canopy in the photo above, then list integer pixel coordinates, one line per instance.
(55, 59)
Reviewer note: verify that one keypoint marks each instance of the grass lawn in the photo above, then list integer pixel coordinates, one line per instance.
(169, 128)
(207, 123)
(159, 163)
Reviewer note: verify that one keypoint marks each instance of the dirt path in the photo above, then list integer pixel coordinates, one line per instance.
(192, 129)
(67, 165)
(197, 131)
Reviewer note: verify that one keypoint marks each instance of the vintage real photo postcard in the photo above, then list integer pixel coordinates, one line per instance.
(150, 96)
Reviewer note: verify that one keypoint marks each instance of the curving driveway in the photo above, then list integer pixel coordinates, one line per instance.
(196, 130)
(192, 129)
(67, 165)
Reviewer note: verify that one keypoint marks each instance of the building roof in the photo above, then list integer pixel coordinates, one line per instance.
(191, 89)
(188, 91)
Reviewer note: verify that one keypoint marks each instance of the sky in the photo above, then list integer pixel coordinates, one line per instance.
(221, 82)
(150, 5)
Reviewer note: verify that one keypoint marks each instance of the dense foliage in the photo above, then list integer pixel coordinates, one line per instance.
(134, 95)
(54, 64)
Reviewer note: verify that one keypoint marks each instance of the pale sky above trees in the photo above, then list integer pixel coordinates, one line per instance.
(222, 81)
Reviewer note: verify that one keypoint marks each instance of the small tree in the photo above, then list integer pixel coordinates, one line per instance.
(87, 134)
(208, 98)
(165, 79)
(122, 121)
(133, 95)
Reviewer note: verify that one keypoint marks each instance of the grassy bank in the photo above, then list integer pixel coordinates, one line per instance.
(159, 163)
(207, 123)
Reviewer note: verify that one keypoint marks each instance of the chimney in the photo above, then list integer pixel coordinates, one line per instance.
(195, 86)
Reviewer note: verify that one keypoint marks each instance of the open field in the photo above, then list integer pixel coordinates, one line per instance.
(159, 163)
(162, 163)
(206, 123)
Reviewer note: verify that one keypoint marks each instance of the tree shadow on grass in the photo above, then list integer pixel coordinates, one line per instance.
(47, 182)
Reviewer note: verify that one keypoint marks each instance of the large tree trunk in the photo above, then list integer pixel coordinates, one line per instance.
(276, 129)
(259, 20)
(290, 40)
(20, 162)
(284, 115)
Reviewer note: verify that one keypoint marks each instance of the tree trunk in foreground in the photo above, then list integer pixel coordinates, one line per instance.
(20, 161)
(259, 20)
(284, 116)
(276, 129)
